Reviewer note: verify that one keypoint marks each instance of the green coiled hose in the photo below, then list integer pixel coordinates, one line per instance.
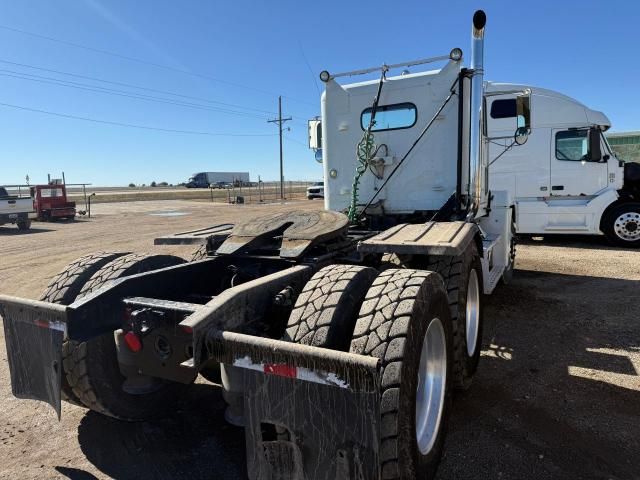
(365, 148)
(364, 151)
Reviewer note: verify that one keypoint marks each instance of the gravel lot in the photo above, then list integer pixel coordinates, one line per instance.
(557, 394)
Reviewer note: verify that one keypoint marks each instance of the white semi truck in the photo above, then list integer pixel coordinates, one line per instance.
(566, 179)
(338, 338)
(215, 179)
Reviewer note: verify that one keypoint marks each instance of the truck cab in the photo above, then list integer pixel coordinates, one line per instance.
(198, 180)
(566, 179)
(51, 203)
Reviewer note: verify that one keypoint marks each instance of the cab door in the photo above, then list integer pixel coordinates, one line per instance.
(523, 170)
(576, 169)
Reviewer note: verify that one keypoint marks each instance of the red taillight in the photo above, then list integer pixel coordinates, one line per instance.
(280, 370)
(133, 342)
(187, 329)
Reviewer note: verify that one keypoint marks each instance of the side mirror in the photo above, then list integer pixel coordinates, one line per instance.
(315, 134)
(523, 111)
(595, 154)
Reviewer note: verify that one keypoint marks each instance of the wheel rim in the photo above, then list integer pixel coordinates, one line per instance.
(432, 378)
(627, 226)
(472, 312)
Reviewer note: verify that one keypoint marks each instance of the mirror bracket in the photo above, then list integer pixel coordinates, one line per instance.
(595, 152)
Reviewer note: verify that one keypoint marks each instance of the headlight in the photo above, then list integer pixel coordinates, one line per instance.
(455, 54)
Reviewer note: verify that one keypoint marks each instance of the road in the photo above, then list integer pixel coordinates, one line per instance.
(557, 394)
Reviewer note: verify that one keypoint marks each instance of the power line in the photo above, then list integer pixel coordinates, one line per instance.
(131, 125)
(141, 61)
(120, 93)
(129, 85)
(291, 139)
(315, 81)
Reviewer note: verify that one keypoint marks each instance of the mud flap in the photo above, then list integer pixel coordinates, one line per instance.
(309, 412)
(33, 333)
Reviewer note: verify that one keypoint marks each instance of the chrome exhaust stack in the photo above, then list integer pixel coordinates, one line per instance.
(477, 170)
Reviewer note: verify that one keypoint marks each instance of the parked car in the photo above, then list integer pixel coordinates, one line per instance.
(315, 191)
(15, 209)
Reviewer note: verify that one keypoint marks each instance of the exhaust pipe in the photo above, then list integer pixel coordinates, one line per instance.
(477, 172)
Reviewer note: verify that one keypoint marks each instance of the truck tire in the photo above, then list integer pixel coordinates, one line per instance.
(463, 280)
(404, 321)
(24, 224)
(92, 367)
(65, 287)
(621, 225)
(326, 310)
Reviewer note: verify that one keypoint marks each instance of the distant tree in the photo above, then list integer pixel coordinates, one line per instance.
(132, 185)
(153, 184)
(163, 184)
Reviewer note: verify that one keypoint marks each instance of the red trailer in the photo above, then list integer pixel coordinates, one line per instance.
(50, 202)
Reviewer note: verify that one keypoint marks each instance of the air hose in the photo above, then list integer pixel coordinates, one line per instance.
(364, 152)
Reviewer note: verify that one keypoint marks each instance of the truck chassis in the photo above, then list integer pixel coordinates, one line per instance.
(337, 343)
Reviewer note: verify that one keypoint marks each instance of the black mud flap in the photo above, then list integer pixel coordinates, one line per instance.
(33, 333)
(310, 413)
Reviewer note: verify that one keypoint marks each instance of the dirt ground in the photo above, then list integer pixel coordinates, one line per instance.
(557, 394)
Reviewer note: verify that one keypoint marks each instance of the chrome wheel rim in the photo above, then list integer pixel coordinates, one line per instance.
(627, 226)
(432, 379)
(472, 316)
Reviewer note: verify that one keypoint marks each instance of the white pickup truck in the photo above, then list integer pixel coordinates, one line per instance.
(16, 209)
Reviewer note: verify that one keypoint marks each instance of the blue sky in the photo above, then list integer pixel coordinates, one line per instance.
(230, 60)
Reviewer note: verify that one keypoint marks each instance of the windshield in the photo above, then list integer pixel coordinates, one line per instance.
(318, 184)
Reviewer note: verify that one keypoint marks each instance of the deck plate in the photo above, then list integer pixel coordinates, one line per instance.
(434, 238)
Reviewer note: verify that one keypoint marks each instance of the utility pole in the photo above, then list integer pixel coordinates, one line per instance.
(280, 121)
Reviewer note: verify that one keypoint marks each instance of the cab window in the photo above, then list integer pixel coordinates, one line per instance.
(51, 192)
(390, 117)
(504, 108)
(572, 145)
